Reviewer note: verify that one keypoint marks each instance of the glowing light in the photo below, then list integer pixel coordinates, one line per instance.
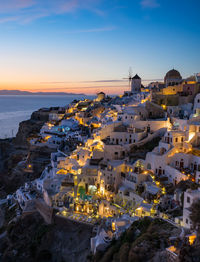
(191, 135)
(191, 239)
(113, 226)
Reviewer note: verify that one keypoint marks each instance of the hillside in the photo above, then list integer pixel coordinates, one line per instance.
(144, 241)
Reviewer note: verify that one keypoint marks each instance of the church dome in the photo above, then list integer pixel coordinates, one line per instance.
(173, 74)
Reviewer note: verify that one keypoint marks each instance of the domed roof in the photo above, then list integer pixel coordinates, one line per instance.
(173, 74)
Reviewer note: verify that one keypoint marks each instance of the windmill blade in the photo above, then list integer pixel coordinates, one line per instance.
(130, 72)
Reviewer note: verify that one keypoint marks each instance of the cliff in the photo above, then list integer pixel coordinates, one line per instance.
(144, 241)
(16, 154)
(30, 239)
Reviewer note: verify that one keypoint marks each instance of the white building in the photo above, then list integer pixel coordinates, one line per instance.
(196, 108)
(190, 196)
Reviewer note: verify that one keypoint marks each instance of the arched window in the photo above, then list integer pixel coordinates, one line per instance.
(148, 166)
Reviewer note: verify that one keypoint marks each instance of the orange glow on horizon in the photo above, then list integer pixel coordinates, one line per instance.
(68, 87)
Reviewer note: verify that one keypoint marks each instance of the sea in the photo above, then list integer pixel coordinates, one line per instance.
(14, 109)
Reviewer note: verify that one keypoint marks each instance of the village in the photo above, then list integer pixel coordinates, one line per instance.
(118, 159)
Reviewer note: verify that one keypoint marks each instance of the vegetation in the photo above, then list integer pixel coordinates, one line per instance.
(139, 243)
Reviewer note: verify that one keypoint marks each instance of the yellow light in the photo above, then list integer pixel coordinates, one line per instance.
(191, 239)
(191, 135)
(62, 171)
(64, 212)
(47, 138)
(172, 248)
(113, 226)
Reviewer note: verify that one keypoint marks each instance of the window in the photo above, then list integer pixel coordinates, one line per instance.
(176, 139)
(188, 199)
(186, 221)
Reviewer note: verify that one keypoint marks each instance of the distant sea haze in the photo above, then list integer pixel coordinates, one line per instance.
(27, 93)
(17, 108)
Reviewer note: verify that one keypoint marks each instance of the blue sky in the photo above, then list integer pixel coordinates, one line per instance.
(71, 45)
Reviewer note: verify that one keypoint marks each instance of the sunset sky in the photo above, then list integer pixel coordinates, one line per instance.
(88, 45)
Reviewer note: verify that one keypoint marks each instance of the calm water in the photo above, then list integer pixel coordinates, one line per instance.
(14, 109)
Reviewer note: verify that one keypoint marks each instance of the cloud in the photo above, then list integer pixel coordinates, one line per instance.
(92, 30)
(108, 81)
(8, 19)
(24, 11)
(22, 19)
(149, 3)
(13, 5)
(94, 81)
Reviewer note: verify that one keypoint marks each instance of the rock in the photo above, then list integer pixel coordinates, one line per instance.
(26, 129)
(33, 240)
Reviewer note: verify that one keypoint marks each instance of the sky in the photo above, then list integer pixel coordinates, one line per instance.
(87, 46)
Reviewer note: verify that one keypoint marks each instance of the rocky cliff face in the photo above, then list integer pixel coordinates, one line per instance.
(6, 148)
(144, 241)
(15, 152)
(30, 239)
(30, 127)
(26, 129)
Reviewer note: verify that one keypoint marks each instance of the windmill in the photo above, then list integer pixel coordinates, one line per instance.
(130, 75)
